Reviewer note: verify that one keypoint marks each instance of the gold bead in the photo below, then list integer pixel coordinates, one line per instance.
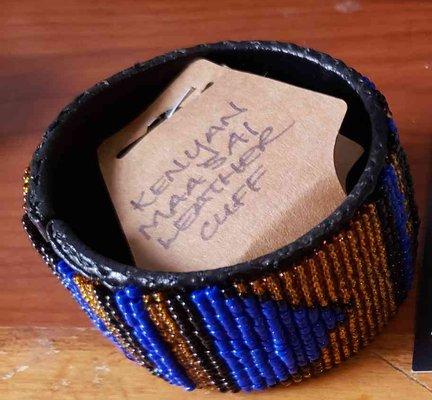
(361, 284)
(344, 292)
(375, 260)
(240, 287)
(304, 284)
(326, 357)
(273, 287)
(383, 260)
(258, 287)
(317, 280)
(368, 272)
(359, 308)
(329, 280)
(88, 292)
(335, 347)
(169, 330)
(288, 280)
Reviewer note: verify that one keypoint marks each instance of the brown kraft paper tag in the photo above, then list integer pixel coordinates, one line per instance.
(243, 167)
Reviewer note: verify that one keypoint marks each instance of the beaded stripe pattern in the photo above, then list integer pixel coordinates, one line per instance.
(278, 328)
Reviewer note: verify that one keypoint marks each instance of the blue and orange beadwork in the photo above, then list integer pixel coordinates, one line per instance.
(278, 328)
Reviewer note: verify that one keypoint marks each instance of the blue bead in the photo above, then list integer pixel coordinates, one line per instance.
(294, 338)
(66, 275)
(307, 337)
(235, 306)
(62, 267)
(340, 315)
(396, 199)
(288, 360)
(229, 339)
(222, 341)
(136, 306)
(254, 311)
(263, 364)
(286, 346)
(133, 313)
(132, 292)
(313, 315)
(392, 125)
(328, 317)
(121, 297)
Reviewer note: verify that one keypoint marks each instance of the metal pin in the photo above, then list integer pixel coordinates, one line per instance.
(157, 121)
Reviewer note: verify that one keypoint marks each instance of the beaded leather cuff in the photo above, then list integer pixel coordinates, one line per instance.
(281, 318)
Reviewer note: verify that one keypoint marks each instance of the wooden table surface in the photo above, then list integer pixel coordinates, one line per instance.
(52, 50)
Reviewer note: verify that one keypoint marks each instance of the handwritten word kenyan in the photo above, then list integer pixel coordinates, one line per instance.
(183, 208)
